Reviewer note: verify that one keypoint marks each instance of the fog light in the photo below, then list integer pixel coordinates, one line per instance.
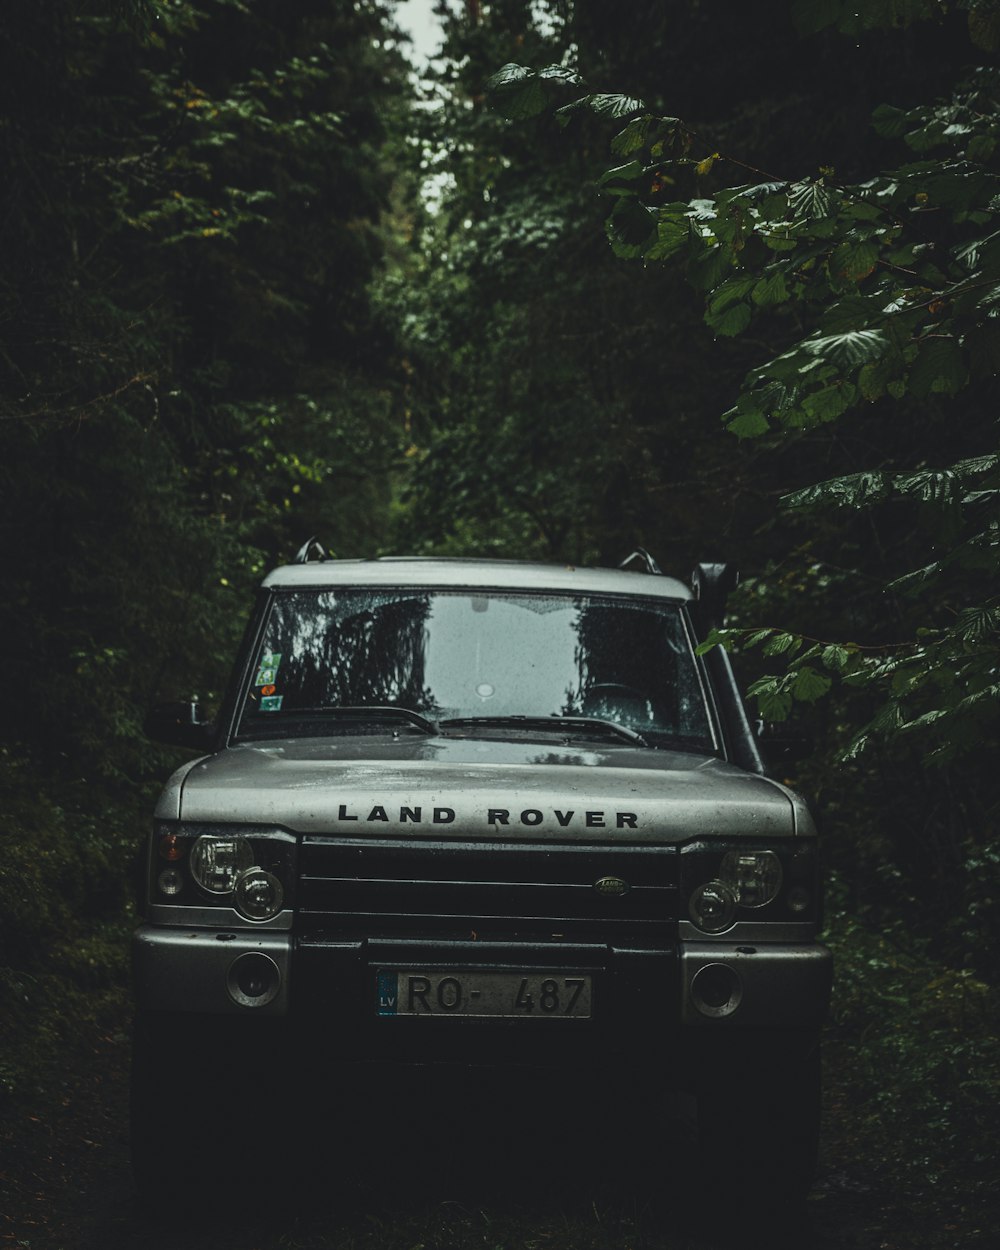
(217, 862)
(253, 979)
(712, 907)
(170, 881)
(258, 894)
(716, 990)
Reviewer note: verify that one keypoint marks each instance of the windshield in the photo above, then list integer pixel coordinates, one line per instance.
(485, 656)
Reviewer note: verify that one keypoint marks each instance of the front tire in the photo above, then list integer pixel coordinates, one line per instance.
(759, 1117)
(204, 1095)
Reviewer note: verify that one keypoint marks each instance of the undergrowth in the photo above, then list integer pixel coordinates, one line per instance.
(914, 1081)
(66, 850)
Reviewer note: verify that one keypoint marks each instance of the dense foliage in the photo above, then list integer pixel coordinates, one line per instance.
(866, 293)
(191, 220)
(192, 376)
(257, 282)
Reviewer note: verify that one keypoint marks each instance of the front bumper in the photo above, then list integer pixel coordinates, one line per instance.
(642, 995)
(198, 970)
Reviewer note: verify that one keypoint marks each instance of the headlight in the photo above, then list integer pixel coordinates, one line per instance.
(753, 876)
(217, 862)
(727, 881)
(258, 894)
(220, 874)
(713, 907)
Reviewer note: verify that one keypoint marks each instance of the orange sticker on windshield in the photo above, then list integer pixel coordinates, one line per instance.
(267, 689)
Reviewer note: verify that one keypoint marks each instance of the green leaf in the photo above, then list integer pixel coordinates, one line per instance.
(851, 311)
(981, 148)
(977, 464)
(809, 200)
(939, 368)
(810, 685)
(517, 92)
(836, 657)
(915, 579)
(728, 293)
(754, 193)
(854, 260)
(890, 122)
(777, 241)
(749, 424)
(848, 351)
(527, 100)
(858, 490)
(711, 266)
(621, 179)
(770, 290)
(641, 132)
(559, 73)
(631, 228)
(731, 321)
(930, 485)
(856, 746)
(508, 75)
(672, 235)
(781, 642)
(889, 718)
(978, 624)
(874, 379)
(828, 404)
(774, 700)
(614, 105)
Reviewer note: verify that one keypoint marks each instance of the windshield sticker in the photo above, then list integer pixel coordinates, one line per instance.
(267, 673)
(271, 703)
(268, 689)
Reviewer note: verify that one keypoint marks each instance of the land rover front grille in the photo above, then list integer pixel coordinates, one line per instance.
(487, 890)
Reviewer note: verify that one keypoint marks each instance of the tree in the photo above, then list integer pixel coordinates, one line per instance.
(871, 305)
(193, 372)
(879, 291)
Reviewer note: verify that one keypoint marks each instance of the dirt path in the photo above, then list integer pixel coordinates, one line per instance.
(65, 1185)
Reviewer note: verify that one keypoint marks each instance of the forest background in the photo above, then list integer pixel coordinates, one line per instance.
(721, 281)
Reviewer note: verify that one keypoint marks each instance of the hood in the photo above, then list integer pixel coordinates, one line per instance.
(514, 790)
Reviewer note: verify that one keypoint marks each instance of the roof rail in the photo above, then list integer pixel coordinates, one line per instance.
(311, 549)
(642, 554)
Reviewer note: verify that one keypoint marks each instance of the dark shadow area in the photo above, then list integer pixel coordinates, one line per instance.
(366, 1159)
(426, 1157)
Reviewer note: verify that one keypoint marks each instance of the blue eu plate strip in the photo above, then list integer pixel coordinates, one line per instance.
(387, 993)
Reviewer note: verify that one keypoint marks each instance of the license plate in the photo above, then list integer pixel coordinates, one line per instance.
(482, 993)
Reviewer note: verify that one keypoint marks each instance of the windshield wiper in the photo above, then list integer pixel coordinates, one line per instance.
(574, 726)
(362, 715)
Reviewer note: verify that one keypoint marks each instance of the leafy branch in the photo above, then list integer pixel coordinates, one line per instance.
(882, 292)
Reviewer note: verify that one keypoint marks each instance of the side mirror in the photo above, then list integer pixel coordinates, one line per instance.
(712, 585)
(781, 745)
(180, 725)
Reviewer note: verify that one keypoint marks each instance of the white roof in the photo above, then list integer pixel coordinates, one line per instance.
(434, 571)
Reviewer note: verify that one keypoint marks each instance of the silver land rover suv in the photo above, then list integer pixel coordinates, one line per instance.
(478, 812)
